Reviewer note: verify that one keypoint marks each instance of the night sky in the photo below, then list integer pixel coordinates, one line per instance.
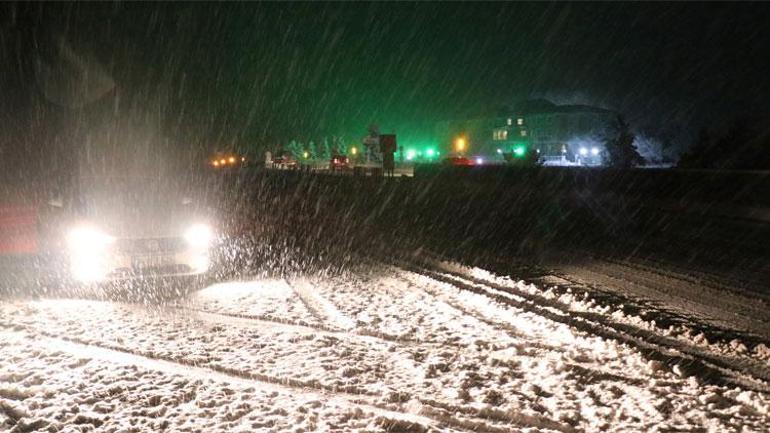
(259, 74)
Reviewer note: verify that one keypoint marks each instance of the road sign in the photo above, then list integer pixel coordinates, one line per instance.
(388, 143)
(388, 148)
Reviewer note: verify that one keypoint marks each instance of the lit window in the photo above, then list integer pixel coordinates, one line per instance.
(510, 121)
(504, 134)
(519, 121)
(523, 132)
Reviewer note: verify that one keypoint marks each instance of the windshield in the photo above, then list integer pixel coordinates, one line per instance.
(132, 190)
(131, 194)
(384, 217)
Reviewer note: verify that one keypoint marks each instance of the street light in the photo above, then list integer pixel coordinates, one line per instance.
(353, 150)
(460, 144)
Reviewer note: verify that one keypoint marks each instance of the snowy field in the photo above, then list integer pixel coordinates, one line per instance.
(437, 347)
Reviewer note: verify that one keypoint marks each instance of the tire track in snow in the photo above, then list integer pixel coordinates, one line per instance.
(758, 369)
(684, 298)
(301, 327)
(433, 415)
(321, 322)
(530, 342)
(536, 421)
(715, 334)
(243, 318)
(691, 361)
(600, 288)
(432, 406)
(260, 377)
(503, 328)
(319, 306)
(126, 357)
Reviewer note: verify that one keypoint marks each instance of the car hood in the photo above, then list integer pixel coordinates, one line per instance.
(146, 221)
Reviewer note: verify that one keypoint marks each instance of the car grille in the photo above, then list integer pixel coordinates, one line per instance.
(150, 245)
(157, 271)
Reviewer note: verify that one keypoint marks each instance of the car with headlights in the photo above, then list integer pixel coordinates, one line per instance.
(339, 162)
(457, 161)
(121, 228)
(285, 162)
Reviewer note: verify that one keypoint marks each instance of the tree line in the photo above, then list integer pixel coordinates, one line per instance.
(322, 149)
(742, 144)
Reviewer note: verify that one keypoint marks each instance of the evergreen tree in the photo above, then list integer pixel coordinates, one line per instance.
(620, 150)
(312, 150)
(295, 149)
(325, 151)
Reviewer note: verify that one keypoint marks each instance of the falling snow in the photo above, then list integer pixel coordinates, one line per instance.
(201, 229)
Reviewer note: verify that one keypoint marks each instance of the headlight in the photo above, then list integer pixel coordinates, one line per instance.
(87, 246)
(84, 239)
(199, 235)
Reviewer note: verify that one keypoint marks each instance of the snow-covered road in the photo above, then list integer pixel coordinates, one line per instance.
(437, 347)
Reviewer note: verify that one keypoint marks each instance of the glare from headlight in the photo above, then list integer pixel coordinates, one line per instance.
(87, 247)
(201, 263)
(88, 267)
(199, 235)
(85, 239)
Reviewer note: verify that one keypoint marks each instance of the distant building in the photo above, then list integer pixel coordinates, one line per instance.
(562, 134)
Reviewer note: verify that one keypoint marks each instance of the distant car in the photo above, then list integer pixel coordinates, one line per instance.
(458, 161)
(339, 162)
(227, 161)
(286, 162)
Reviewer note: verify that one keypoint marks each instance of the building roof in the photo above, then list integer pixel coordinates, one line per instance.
(544, 106)
(528, 107)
